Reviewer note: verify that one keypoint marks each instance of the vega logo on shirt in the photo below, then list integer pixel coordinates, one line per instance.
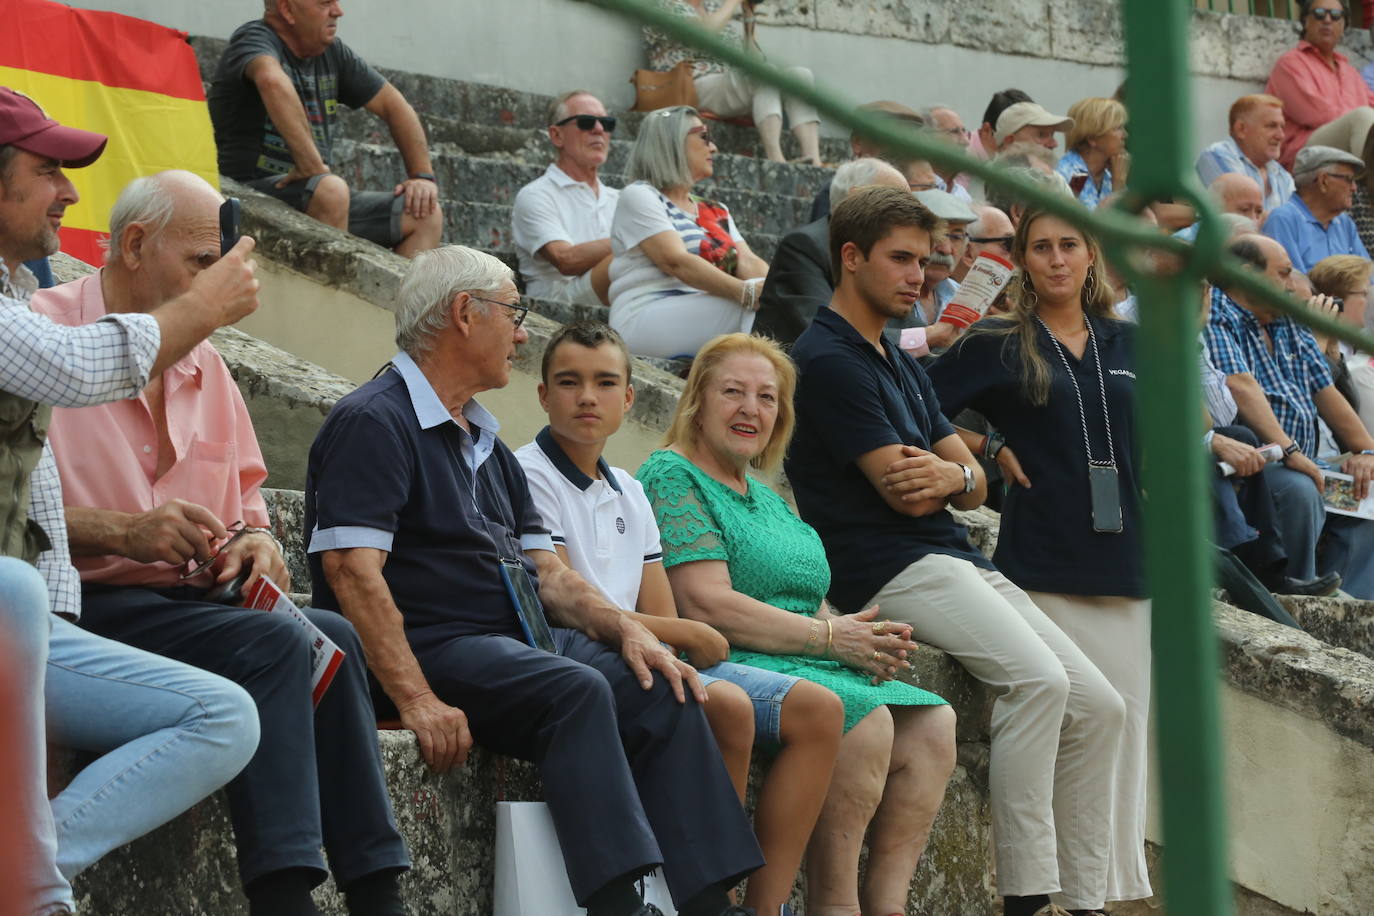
(1125, 372)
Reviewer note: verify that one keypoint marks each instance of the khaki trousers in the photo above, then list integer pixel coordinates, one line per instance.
(1056, 724)
(1115, 634)
(1347, 133)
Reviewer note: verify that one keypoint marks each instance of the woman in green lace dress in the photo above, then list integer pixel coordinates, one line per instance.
(739, 559)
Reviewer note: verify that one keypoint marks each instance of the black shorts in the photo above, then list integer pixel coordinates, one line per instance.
(372, 215)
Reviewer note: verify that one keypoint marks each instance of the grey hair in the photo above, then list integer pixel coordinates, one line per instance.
(7, 156)
(1025, 154)
(1307, 179)
(146, 201)
(659, 155)
(928, 113)
(856, 173)
(1005, 199)
(1238, 224)
(431, 282)
(559, 109)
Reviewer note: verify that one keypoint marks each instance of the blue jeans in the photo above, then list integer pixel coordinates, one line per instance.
(169, 735)
(766, 689)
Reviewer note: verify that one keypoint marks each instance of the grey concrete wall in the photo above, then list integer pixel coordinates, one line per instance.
(914, 51)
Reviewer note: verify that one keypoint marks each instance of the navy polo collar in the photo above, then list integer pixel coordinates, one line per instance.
(550, 447)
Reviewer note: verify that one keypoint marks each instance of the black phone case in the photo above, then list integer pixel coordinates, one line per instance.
(230, 213)
(1106, 499)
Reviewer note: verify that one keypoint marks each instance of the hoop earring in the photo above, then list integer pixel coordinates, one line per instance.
(1028, 294)
(1089, 285)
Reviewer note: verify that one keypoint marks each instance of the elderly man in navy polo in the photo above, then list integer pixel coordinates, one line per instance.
(1282, 386)
(1314, 224)
(422, 532)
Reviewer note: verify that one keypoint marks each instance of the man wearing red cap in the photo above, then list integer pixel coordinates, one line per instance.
(167, 734)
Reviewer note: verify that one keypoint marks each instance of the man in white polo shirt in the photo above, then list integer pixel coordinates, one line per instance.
(562, 219)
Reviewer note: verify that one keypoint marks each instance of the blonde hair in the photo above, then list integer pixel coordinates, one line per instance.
(684, 431)
(1096, 297)
(1248, 103)
(1340, 274)
(1093, 117)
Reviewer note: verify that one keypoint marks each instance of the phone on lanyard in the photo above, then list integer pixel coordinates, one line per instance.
(230, 213)
(1106, 499)
(528, 608)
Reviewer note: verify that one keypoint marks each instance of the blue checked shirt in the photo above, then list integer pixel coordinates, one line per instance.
(1289, 376)
(1071, 164)
(1225, 156)
(66, 367)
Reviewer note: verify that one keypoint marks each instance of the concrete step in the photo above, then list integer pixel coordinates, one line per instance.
(755, 205)
(438, 100)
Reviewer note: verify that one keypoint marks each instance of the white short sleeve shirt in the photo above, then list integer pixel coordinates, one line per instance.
(606, 524)
(556, 208)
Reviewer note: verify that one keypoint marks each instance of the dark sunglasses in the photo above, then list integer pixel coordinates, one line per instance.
(1333, 15)
(589, 122)
(1003, 240)
(703, 133)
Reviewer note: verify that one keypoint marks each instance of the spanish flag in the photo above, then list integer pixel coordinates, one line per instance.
(135, 81)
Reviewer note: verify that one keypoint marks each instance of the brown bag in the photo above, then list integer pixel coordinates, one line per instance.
(655, 89)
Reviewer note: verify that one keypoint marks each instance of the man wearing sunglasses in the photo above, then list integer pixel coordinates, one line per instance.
(1314, 223)
(991, 231)
(562, 219)
(162, 505)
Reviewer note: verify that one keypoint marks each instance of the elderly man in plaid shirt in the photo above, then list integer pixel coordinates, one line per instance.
(166, 734)
(1282, 387)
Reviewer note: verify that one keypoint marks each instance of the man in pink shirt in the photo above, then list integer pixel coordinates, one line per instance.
(1321, 91)
(151, 486)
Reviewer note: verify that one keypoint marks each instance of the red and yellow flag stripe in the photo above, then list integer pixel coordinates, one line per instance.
(134, 80)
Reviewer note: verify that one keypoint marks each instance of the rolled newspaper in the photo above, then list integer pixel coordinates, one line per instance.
(986, 279)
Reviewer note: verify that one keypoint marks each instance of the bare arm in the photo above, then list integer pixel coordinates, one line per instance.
(917, 482)
(1253, 408)
(575, 260)
(355, 575)
(669, 255)
(571, 601)
(716, 21)
(422, 195)
(705, 592)
(750, 265)
(1350, 433)
(288, 115)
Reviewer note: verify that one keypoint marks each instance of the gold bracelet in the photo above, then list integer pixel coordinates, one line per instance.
(811, 640)
(829, 634)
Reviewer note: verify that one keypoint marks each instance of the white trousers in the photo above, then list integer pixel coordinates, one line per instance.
(732, 95)
(1115, 634)
(1056, 724)
(672, 326)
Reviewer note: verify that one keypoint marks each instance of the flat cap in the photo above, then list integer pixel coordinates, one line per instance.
(946, 206)
(1311, 158)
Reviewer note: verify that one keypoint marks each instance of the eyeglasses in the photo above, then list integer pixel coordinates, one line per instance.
(1003, 240)
(1325, 14)
(520, 310)
(1348, 179)
(922, 186)
(589, 122)
(954, 131)
(236, 531)
(701, 132)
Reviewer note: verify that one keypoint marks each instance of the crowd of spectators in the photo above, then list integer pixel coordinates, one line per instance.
(640, 636)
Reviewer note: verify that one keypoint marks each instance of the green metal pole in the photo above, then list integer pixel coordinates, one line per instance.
(1178, 555)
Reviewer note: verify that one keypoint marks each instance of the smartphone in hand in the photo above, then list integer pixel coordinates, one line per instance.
(229, 214)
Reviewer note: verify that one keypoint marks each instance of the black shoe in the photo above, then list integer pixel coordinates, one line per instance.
(1320, 587)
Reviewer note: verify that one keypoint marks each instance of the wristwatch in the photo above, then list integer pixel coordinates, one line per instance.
(1291, 449)
(969, 481)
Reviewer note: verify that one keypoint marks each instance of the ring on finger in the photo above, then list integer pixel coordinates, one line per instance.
(879, 627)
(877, 655)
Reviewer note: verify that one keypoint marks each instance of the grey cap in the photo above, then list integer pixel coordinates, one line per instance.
(1311, 158)
(946, 206)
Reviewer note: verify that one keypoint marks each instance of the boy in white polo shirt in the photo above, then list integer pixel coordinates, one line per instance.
(603, 526)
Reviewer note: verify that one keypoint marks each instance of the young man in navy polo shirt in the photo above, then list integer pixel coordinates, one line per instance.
(422, 532)
(865, 411)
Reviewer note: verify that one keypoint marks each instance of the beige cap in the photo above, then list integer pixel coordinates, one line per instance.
(1027, 114)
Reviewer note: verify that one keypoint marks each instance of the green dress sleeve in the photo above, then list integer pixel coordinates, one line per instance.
(686, 528)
